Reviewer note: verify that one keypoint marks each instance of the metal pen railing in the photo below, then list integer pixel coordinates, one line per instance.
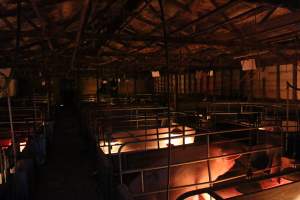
(213, 192)
(144, 122)
(25, 123)
(207, 159)
(186, 133)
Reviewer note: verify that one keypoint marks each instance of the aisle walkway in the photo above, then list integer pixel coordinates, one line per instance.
(67, 174)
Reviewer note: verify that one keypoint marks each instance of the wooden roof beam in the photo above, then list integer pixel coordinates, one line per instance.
(201, 18)
(43, 22)
(83, 22)
(290, 4)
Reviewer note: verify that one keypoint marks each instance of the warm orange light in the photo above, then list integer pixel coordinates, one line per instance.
(177, 139)
(228, 193)
(274, 182)
(114, 147)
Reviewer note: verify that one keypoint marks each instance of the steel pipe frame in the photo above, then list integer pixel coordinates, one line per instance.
(204, 183)
(207, 134)
(141, 171)
(196, 134)
(154, 134)
(112, 133)
(217, 197)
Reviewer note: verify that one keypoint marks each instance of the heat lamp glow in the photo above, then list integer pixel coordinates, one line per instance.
(4, 143)
(1, 179)
(177, 139)
(267, 128)
(114, 147)
(204, 196)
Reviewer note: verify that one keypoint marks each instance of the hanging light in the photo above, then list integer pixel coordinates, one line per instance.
(155, 74)
(22, 146)
(211, 73)
(248, 64)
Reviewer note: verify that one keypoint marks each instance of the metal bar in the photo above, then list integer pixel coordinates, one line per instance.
(165, 34)
(142, 181)
(210, 191)
(157, 132)
(202, 160)
(196, 134)
(203, 183)
(208, 161)
(12, 129)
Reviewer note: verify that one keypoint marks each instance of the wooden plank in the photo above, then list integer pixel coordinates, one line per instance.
(278, 81)
(295, 81)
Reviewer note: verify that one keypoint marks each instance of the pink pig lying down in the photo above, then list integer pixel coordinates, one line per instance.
(190, 175)
(183, 175)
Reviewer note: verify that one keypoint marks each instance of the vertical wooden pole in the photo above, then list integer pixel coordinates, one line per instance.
(278, 82)
(230, 83)
(251, 85)
(295, 81)
(223, 94)
(195, 83)
(241, 85)
(214, 84)
(207, 84)
(176, 92)
(189, 85)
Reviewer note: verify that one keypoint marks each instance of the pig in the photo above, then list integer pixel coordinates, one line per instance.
(184, 174)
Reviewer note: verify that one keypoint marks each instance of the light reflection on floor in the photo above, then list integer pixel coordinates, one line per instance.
(227, 193)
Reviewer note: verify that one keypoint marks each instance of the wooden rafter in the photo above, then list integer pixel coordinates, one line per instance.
(43, 22)
(83, 21)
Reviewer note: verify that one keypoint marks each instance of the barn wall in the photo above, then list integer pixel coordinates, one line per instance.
(88, 86)
(268, 82)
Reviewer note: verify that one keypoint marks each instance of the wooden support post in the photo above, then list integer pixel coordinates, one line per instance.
(97, 88)
(18, 31)
(251, 94)
(207, 84)
(241, 86)
(201, 85)
(223, 94)
(278, 82)
(189, 84)
(135, 85)
(230, 83)
(295, 81)
(264, 89)
(214, 84)
(176, 92)
(184, 84)
(166, 47)
(195, 83)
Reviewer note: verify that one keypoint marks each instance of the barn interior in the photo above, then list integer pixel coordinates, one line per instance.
(149, 99)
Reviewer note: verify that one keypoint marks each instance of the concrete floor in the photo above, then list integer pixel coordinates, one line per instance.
(68, 171)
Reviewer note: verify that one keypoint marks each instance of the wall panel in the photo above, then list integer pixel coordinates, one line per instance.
(235, 82)
(258, 76)
(271, 82)
(218, 86)
(286, 74)
(226, 83)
